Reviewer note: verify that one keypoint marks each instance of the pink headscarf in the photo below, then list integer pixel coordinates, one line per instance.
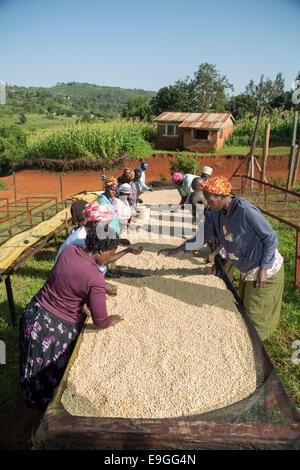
(96, 212)
(177, 177)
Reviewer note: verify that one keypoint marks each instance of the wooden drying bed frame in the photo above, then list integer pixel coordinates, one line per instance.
(27, 254)
(59, 430)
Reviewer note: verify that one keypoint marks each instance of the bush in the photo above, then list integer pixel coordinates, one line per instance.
(183, 163)
(12, 148)
(280, 132)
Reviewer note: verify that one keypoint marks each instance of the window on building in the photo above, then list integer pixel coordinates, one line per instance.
(201, 134)
(171, 130)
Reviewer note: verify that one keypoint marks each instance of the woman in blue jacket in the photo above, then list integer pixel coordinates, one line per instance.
(251, 244)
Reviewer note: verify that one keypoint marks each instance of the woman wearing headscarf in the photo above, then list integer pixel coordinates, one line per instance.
(52, 320)
(95, 213)
(251, 245)
(122, 206)
(127, 177)
(111, 188)
(183, 182)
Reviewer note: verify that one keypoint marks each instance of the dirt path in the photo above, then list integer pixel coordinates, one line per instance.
(33, 183)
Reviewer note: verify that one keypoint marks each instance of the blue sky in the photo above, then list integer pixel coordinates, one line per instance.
(139, 44)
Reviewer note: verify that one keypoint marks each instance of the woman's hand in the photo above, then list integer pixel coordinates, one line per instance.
(111, 289)
(169, 251)
(211, 258)
(86, 310)
(135, 251)
(114, 319)
(261, 277)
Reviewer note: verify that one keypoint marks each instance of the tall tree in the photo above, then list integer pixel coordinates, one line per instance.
(171, 98)
(205, 92)
(265, 90)
(208, 89)
(138, 107)
(239, 106)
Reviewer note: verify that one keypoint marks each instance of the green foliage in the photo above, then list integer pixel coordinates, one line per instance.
(280, 132)
(241, 105)
(12, 147)
(89, 141)
(3, 185)
(138, 108)
(68, 99)
(22, 118)
(184, 163)
(204, 92)
(265, 90)
(208, 89)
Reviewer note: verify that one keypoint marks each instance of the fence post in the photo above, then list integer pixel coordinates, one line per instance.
(250, 171)
(61, 187)
(296, 165)
(265, 152)
(15, 187)
(195, 162)
(292, 152)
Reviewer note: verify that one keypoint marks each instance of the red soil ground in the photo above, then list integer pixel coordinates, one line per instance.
(33, 183)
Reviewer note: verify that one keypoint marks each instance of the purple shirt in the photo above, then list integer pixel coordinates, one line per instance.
(74, 280)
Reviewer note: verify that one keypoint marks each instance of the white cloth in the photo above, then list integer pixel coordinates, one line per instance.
(77, 237)
(123, 209)
(252, 275)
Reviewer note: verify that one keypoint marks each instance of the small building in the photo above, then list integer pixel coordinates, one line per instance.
(196, 132)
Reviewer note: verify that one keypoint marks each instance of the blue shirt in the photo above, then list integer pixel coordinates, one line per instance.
(142, 184)
(246, 235)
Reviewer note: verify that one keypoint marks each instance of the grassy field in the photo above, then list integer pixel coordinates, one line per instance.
(36, 121)
(235, 150)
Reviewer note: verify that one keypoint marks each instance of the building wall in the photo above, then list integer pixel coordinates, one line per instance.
(166, 142)
(214, 142)
(184, 139)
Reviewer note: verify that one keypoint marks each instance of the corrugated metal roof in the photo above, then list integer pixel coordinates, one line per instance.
(195, 120)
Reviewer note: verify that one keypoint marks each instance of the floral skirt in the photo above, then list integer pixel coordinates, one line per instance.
(46, 344)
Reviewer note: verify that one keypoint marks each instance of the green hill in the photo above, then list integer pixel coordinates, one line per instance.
(70, 99)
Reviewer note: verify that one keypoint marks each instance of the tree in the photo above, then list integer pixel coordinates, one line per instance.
(22, 118)
(171, 98)
(282, 101)
(239, 106)
(266, 90)
(204, 92)
(137, 107)
(207, 89)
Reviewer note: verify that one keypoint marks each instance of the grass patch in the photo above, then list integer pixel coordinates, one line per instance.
(3, 185)
(35, 121)
(232, 150)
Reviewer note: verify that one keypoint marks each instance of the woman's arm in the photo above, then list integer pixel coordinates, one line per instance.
(130, 249)
(266, 234)
(97, 304)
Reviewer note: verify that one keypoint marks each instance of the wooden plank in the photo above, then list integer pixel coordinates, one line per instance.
(66, 432)
(265, 152)
(296, 165)
(253, 145)
(292, 152)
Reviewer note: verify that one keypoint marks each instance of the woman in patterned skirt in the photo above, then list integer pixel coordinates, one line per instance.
(52, 320)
